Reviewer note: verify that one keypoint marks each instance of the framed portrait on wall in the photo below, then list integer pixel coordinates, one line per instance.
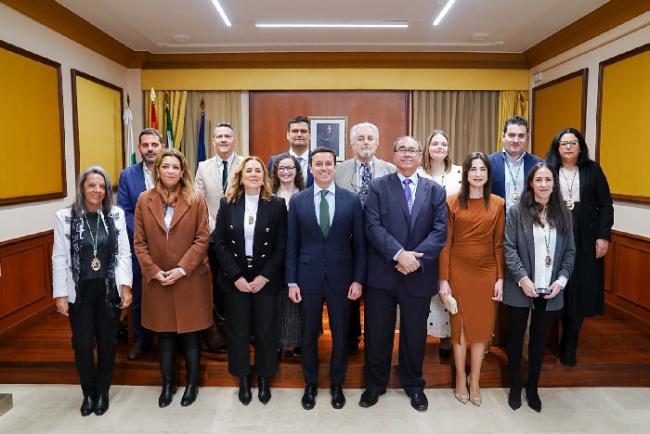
(329, 132)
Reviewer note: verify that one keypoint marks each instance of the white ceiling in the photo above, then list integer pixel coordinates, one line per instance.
(150, 25)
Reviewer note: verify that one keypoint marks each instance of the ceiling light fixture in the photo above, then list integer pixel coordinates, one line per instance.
(335, 25)
(222, 13)
(443, 12)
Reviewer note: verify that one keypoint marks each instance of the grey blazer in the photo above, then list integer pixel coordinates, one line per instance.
(519, 251)
(346, 176)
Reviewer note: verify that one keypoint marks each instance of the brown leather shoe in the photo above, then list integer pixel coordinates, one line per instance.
(137, 350)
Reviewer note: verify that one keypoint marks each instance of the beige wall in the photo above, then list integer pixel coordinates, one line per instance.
(16, 29)
(628, 217)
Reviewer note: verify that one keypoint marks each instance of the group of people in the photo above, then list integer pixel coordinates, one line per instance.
(282, 241)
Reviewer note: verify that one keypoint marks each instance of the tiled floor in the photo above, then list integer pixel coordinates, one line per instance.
(134, 409)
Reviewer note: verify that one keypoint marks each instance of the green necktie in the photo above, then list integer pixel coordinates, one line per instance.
(324, 213)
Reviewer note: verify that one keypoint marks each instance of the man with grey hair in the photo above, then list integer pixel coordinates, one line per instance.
(355, 174)
(213, 178)
(134, 180)
(406, 228)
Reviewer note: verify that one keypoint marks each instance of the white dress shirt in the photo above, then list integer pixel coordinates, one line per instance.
(516, 171)
(304, 162)
(250, 203)
(570, 178)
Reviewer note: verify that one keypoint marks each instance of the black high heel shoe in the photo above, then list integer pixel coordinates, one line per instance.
(245, 394)
(263, 390)
(189, 396)
(166, 395)
(87, 405)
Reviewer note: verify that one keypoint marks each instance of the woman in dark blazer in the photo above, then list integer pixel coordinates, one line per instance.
(249, 240)
(586, 194)
(539, 254)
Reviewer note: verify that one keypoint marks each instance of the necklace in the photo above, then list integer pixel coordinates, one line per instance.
(514, 177)
(251, 214)
(569, 185)
(546, 229)
(95, 263)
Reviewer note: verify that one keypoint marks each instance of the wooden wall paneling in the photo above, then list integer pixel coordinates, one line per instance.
(25, 282)
(271, 110)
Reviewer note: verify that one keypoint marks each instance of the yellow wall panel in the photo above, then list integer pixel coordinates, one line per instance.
(556, 106)
(100, 126)
(30, 121)
(624, 121)
(335, 79)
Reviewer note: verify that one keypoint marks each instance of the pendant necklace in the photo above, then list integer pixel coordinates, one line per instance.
(546, 228)
(95, 263)
(570, 204)
(514, 177)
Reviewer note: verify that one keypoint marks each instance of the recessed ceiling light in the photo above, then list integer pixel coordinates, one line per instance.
(443, 12)
(222, 13)
(480, 36)
(336, 25)
(181, 37)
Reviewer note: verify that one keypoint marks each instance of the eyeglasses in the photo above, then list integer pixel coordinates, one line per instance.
(286, 168)
(407, 151)
(569, 144)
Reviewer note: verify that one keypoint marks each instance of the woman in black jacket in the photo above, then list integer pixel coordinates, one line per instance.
(586, 194)
(249, 240)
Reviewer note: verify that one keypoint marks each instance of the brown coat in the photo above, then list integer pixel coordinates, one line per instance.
(186, 305)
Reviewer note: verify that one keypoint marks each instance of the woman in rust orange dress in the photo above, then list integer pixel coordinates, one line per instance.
(471, 269)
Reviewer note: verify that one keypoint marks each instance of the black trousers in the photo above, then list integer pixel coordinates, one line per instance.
(540, 319)
(141, 334)
(92, 325)
(354, 331)
(569, 340)
(217, 293)
(251, 315)
(379, 334)
(338, 311)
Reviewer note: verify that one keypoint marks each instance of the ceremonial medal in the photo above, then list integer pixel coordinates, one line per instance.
(251, 219)
(95, 264)
(515, 196)
(570, 204)
(547, 261)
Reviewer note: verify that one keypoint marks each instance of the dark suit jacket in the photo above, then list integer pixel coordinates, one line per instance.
(310, 179)
(130, 186)
(389, 228)
(341, 257)
(596, 213)
(498, 171)
(269, 243)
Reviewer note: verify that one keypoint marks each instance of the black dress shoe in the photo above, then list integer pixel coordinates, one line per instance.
(338, 399)
(166, 395)
(101, 404)
(369, 398)
(533, 399)
(245, 394)
(309, 397)
(137, 350)
(514, 397)
(87, 405)
(263, 390)
(189, 396)
(419, 401)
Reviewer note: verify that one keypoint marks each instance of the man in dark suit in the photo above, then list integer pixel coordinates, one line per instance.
(406, 228)
(326, 262)
(511, 165)
(299, 138)
(133, 181)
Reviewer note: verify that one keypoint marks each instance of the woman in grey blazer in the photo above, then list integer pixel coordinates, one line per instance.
(539, 255)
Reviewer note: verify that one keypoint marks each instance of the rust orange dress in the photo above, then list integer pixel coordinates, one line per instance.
(472, 261)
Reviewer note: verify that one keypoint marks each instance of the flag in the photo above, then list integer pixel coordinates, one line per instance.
(153, 116)
(130, 143)
(201, 154)
(170, 129)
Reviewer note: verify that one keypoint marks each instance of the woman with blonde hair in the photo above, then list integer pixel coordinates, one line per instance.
(249, 240)
(171, 242)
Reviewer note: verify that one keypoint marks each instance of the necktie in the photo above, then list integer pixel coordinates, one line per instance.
(366, 177)
(324, 213)
(224, 176)
(407, 194)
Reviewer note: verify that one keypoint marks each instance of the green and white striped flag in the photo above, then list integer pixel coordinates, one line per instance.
(130, 143)
(170, 129)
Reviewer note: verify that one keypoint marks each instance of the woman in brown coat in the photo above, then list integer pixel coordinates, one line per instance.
(171, 242)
